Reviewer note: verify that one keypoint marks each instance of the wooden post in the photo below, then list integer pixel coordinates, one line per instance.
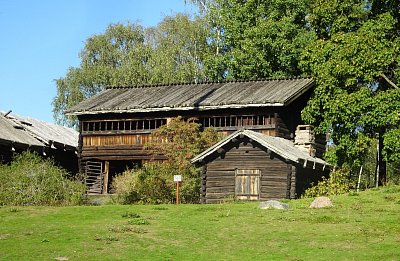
(293, 191)
(177, 179)
(177, 193)
(105, 183)
(381, 162)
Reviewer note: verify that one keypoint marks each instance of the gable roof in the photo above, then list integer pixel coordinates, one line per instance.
(26, 131)
(280, 146)
(201, 96)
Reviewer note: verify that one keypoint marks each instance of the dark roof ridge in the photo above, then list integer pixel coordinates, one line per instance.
(149, 85)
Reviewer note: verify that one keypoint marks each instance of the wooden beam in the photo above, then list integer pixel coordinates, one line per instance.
(106, 171)
(292, 193)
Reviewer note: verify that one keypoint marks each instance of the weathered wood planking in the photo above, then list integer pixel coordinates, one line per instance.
(220, 173)
(112, 140)
(123, 136)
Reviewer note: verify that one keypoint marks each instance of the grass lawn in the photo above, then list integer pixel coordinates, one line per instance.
(364, 226)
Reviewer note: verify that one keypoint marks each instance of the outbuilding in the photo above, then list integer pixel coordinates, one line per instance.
(19, 133)
(249, 165)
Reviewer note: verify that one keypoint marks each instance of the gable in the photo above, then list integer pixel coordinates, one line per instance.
(283, 148)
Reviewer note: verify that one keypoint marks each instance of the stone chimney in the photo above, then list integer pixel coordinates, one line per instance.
(306, 140)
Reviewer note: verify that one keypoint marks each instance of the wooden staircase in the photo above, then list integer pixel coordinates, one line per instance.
(94, 177)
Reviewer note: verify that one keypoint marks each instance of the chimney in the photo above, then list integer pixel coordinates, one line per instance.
(306, 140)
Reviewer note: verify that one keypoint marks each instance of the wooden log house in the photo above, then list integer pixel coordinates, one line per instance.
(248, 165)
(115, 124)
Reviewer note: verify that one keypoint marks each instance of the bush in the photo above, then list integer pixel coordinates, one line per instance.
(31, 180)
(337, 183)
(179, 140)
(153, 184)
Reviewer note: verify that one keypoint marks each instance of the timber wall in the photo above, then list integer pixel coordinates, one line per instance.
(219, 174)
(113, 137)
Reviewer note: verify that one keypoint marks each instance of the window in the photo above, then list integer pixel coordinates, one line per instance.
(122, 125)
(235, 121)
(247, 184)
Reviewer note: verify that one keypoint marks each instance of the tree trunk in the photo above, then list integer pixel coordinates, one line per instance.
(381, 161)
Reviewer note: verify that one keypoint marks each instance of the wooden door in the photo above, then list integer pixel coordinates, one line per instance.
(247, 184)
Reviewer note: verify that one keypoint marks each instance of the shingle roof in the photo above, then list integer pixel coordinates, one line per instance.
(33, 132)
(202, 96)
(280, 146)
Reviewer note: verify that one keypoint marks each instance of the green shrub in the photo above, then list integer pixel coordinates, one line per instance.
(146, 185)
(31, 180)
(180, 140)
(153, 184)
(337, 183)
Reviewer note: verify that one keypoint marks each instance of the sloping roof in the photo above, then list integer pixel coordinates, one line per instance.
(280, 146)
(48, 133)
(201, 96)
(14, 133)
(33, 132)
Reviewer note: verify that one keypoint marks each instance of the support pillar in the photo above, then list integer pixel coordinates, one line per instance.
(105, 181)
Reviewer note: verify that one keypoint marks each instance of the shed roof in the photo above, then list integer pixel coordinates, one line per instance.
(200, 96)
(280, 146)
(33, 132)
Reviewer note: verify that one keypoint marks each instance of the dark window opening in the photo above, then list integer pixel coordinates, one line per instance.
(124, 126)
(235, 121)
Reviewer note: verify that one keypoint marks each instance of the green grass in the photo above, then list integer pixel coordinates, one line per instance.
(360, 226)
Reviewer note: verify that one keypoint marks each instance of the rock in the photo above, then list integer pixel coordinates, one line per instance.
(273, 204)
(321, 202)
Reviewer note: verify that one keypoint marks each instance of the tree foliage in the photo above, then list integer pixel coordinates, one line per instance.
(117, 57)
(180, 140)
(179, 46)
(256, 39)
(130, 55)
(356, 47)
(337, 183)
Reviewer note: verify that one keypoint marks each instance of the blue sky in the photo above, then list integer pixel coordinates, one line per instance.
(40, 40)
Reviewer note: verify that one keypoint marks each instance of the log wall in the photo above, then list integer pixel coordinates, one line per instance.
(219, 174)
(113, 137)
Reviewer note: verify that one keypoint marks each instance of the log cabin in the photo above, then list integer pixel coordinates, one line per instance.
(20, 133)
(115, 124)
(249, 165)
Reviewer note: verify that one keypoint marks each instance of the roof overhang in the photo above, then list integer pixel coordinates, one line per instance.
(184, 108)
(204, 96)
(299, 157)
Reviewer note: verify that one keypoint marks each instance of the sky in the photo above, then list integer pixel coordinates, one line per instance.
(41, 39)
